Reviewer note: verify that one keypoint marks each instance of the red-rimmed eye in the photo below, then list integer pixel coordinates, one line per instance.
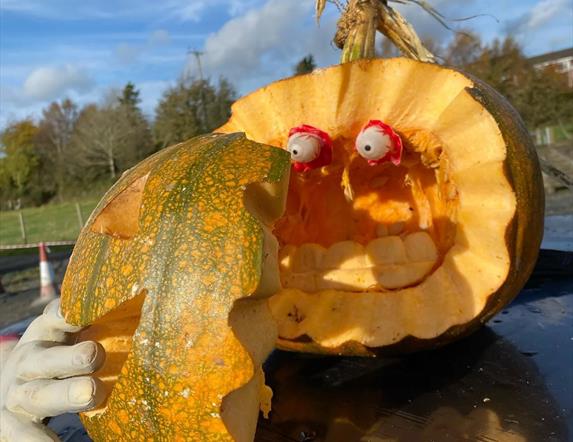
(377, 142)
(309, 147)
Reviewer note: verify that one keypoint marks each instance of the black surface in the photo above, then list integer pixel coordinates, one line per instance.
(511, 381)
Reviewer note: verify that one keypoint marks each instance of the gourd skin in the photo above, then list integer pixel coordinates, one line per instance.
(182, 276)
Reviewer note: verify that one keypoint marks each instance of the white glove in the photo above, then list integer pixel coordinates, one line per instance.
(37, 378)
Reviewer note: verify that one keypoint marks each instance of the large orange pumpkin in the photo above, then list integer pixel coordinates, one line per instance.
(421, 254)
(426, 251)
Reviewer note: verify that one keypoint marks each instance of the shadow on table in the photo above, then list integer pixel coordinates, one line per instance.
(481, 389)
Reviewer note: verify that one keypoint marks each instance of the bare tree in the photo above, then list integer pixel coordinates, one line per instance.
(53, 143)
(103, 139)
(465, 49)
(109, 139)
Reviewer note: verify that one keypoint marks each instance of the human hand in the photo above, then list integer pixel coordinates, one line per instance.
(41, 376)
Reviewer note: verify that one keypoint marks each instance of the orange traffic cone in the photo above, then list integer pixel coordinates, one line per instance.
(48, 290)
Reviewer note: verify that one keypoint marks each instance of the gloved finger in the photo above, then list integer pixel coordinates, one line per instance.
(53, 397)
(14, 428)
(50, 326)
(7, 344)
(62, 361)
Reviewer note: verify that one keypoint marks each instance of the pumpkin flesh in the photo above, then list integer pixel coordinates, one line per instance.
(425, 251)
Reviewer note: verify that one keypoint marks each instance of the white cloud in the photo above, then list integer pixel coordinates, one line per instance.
(51, 82)
(546, 10)
(539, 17)
(183, 10)
(265, 43)
(187, 10)
(127, 53)
(28, 6)
(159, 37)
(62, 9)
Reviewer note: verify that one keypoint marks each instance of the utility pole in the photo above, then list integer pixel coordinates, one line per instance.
(198, 55)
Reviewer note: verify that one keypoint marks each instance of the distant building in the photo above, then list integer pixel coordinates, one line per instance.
(561, 60)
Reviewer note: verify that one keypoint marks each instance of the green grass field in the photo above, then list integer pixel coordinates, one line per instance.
(53, 222)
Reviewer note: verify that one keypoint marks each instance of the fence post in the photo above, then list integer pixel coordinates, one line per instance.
(79, 214)
(22, 226)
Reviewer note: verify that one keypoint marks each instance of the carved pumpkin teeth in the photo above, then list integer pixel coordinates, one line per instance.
(308, 256)
(345, 255)
(396, 228)
(387, 250)
(385, 263)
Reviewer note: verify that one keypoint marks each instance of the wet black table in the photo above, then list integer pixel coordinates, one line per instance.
(511, 381)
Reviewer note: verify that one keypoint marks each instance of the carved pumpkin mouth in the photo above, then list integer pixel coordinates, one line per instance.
(389, 235)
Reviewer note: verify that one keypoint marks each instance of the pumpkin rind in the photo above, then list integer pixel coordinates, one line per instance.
(196, 252)
(415, 96)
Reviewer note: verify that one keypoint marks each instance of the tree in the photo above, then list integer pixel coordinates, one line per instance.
(305, 65)
(130, 96)
(465, 49)
(540, 96)
(141, 138)
(7, 191)
(19, 160)
(108, 140)
(220, 109)
(53, 144)
(192, 108)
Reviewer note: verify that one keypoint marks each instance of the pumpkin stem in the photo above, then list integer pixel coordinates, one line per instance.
(356, 31)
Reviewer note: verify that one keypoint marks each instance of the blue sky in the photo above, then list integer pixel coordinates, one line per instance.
(52, 49)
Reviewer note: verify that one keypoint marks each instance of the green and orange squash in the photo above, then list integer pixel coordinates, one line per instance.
(171, 272)
(173, 266)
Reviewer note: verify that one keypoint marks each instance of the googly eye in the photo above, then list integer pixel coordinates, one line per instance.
(304, 148)
(373, 144)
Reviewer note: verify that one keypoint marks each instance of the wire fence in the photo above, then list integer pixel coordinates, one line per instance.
(51, 224)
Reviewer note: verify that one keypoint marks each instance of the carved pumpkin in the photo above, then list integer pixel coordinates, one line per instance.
(171, 270)
(425, 251)
(372, 255)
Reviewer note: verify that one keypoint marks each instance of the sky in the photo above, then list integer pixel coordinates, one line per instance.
(53, 49)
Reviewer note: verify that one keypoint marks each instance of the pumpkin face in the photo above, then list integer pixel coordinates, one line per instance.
(403, 254)
(171, 272)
